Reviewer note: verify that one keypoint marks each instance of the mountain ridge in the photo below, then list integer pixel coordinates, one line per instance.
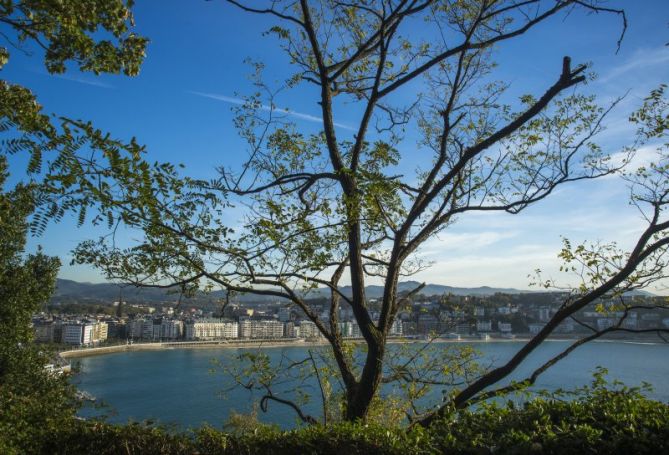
(112, 292)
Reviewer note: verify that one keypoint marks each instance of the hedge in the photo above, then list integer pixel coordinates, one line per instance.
(605, 421)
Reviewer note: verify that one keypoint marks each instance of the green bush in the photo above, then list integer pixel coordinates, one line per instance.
(347, 438)
(596, 419)
(106, 439)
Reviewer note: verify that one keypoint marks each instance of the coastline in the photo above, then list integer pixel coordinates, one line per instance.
(216, 344)
(256, 344)
(279, 343)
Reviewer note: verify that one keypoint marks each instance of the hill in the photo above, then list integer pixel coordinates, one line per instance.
(69, 290)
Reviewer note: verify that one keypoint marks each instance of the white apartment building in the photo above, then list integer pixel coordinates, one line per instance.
(309, 330)
(77, 333)
(261, 329)
(212, 330)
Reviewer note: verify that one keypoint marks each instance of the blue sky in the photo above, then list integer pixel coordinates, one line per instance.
(180, 107)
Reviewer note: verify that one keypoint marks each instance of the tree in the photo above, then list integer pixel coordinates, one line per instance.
(25, 284)
(33, 402)
(327, 205)
(64, 32)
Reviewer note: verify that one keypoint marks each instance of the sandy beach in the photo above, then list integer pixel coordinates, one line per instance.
(251, 344)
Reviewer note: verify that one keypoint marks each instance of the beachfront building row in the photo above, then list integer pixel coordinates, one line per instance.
(246, 328)
(203, 329)
(76, 333)
(87, 333)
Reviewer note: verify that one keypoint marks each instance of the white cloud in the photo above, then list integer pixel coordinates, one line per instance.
(462, 241)
(632, 80)
(510, 269)
(81, 80)
(643, 157)
(501, 250)
(239, 101)
(640, 63)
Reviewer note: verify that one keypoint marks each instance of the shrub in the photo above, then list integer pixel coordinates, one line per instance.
(595, 419)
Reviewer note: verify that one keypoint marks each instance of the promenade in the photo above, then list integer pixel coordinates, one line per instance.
(269, 343)
(157, 346)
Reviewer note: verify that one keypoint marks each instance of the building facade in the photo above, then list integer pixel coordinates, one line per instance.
(211, 330)
(78, 333)
(249, 328)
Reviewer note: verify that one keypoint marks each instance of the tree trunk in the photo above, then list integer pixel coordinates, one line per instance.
(360, 399)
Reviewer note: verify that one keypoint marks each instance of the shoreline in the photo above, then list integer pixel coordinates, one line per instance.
(216, 344)
(273, 344)
(244, 344)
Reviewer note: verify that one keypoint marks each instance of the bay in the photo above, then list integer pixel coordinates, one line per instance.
(177, 386)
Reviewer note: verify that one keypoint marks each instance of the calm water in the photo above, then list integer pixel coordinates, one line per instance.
(178, 387)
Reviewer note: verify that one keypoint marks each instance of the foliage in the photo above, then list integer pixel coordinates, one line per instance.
(84, 437)
(33, 402)
(96, 36)
(601, 418)
(69, 31)
(348, 437)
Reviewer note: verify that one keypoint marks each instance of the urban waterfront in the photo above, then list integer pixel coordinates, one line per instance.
(178, 387)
